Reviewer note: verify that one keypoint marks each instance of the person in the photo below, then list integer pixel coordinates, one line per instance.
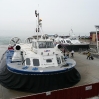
(68, 54)
(88, 55)
(72, 53)
(91, 57)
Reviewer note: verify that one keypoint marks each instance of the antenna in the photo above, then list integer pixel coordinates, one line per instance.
(38, 23)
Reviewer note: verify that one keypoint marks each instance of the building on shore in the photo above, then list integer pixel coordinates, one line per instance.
(93, 35)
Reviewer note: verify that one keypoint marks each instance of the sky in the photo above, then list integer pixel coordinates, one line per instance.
(17, 17)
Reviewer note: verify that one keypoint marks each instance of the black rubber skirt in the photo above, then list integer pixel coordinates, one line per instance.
(76, 48)
(37, 83)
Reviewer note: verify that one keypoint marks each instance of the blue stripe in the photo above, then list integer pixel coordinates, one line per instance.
(35, 72)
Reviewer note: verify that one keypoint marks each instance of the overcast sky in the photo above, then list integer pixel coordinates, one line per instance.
(17, 17)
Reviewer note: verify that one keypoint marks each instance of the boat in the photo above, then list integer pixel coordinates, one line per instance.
(37, 66)
(70, 40)
(72, 43)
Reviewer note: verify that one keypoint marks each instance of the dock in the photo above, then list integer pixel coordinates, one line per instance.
(88, 69)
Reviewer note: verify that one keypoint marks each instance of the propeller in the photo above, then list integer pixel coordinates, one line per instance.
(15, 41)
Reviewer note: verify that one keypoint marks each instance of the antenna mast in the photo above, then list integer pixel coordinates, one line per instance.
(39, 23)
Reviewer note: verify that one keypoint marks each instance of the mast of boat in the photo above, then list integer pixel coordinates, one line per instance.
(39, 23)
(71, 31)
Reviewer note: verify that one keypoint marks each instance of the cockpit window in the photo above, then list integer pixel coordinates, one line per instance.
(49, 45)
(44, 44)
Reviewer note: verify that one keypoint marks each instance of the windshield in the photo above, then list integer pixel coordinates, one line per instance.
(44, 44)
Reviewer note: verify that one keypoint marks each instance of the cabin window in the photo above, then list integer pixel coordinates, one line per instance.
(36, 62)
(44, 44)
(48, 60)
(27, 61)
(58, 60)
(49, 45)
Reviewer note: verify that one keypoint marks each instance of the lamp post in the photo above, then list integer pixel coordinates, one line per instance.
(97, 27)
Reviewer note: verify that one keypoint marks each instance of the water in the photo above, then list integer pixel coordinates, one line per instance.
(4, 40)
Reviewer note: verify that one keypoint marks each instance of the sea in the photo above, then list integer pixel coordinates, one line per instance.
(5, 40)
